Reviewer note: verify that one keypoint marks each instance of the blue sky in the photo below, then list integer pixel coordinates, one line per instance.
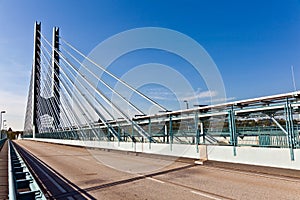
(253, 43)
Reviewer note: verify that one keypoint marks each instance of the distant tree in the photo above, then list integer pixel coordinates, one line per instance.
(12, 134)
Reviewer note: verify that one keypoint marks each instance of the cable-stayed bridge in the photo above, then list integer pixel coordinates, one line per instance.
(64, 96)
(74, 100)
(68, 99)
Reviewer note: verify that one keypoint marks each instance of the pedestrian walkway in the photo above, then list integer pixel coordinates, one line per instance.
(4, 172)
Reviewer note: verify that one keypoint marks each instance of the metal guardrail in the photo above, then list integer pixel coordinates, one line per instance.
(2, 141)
(22, 184)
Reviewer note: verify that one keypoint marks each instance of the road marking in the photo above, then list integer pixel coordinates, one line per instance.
(156, 180)
(83, 158)
(205, 195)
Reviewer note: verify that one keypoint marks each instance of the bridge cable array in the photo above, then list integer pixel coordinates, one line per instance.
(82, 103)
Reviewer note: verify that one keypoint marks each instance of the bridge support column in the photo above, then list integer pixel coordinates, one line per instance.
(202, 133)
(36, 73)
(232, 129)
(290, 128)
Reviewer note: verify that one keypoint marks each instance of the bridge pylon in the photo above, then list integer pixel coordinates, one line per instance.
(36, 77)
(55, 77)
(38, 102)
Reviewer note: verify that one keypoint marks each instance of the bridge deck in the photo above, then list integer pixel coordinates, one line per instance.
(155, 178)
(4, 172)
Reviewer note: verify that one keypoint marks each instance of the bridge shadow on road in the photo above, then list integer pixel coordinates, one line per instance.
(140, 177)
(57, 186)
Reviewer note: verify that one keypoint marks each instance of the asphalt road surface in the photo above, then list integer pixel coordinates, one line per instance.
(78, 173)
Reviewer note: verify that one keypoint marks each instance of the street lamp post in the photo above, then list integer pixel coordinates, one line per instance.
(1, 123)
(2, 112)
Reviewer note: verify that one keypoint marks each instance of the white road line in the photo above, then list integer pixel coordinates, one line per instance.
(152, 179)
(100, 163)
(83, 158)
(205, 195)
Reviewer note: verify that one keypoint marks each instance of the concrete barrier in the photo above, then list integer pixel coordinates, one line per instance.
(270, 157)
(177, 150)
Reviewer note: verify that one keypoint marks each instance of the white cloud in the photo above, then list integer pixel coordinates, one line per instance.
(208, 96)
(158, 93)
(163, 94)
(14, 105)
(201, 95)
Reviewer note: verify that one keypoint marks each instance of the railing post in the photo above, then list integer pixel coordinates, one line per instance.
(232, 129)
(290, 127)
(170, 131)
(119, 134)
(149, 132)
(197, 131)
(132, 133)
(108, 133)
